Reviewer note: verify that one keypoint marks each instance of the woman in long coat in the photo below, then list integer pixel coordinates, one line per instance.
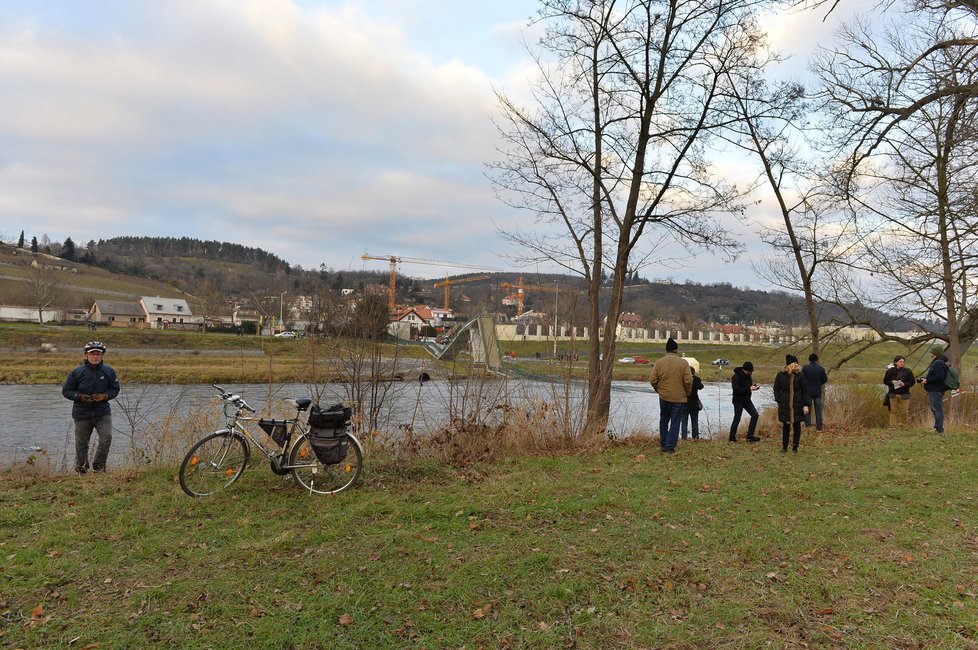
(792, 399)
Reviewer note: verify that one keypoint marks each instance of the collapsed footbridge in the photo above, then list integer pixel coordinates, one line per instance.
(477, 337)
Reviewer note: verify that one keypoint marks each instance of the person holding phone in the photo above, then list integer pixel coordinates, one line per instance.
(743, 388)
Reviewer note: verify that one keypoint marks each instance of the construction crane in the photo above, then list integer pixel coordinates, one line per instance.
(448, 282)
(521, 287)
(397, 259)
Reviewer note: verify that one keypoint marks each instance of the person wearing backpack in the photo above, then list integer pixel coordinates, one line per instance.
(934, 384)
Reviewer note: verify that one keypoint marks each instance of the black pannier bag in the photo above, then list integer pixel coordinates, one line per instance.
(327, 429)
(334, 417)
(275, 429)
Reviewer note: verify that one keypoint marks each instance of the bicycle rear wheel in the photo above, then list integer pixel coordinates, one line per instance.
(213, 464)
(324, 479)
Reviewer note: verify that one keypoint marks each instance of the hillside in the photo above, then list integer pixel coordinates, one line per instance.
(127, 267)
(79, 285)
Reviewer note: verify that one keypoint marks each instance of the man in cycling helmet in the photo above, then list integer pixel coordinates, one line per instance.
(90, 386)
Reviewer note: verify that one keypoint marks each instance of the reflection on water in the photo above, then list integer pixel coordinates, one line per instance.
(41, 417)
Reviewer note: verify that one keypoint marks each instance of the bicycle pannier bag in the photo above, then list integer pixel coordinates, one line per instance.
(275, 429)
(333, 417)
(327, 429)
(329, 445)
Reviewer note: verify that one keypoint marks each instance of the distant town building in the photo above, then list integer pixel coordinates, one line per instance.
(117, 314)
(167, 313)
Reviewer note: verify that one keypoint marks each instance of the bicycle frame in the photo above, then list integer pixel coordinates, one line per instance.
(222, 464)
(294, 430)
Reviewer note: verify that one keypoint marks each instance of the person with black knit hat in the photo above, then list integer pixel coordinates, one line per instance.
(743, 387)
(672, 379)
(792, 398)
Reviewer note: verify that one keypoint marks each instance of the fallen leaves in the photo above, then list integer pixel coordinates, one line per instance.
(346, 620)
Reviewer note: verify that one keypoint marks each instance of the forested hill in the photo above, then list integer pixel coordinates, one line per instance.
(187, 247)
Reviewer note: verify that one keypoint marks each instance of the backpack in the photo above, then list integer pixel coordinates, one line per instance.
(952, 381)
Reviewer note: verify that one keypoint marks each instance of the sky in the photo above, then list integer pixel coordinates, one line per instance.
(316, 130)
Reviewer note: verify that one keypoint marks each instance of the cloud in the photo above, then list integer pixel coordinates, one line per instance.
(308, 131)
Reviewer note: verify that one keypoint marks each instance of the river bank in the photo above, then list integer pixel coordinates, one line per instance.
(858, 541)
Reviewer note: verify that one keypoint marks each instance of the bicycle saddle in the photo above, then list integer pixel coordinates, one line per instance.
(302, 403)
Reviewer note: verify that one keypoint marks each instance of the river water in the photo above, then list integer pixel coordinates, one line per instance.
(154, 421)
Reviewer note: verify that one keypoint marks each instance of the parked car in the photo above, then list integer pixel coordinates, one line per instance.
(627, 360)
(720, 362)
(286, 335)
(640, 359)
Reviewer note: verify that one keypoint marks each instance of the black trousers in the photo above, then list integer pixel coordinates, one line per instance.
(785, 428)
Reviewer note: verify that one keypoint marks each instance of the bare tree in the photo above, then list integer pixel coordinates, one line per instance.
(613, 153)
(915, 195)
(208, 302)
(881, 91)
(770, 122)
(45, 286)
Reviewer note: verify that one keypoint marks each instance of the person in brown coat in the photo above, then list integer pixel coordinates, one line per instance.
(672, 379)
(792, 399)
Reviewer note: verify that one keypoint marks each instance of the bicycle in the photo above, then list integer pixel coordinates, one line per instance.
(217, 460)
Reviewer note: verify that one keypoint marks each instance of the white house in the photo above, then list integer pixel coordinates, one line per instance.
(162, 313)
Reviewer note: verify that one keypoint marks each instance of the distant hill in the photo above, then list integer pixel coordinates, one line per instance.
(186, 267)
(80, 284)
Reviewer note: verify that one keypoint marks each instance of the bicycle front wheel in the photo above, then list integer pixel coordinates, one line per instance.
(213, 464)
(324, 479)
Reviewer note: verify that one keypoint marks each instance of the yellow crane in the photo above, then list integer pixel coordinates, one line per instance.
(448, 282)
(521, 287)
(397, 259)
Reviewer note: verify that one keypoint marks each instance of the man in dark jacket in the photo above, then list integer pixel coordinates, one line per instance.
(814, 377)
(90, 386)
(743, 388)
(933, 383)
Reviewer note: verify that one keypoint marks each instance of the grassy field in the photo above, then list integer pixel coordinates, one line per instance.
(863, 541)
(152, 356)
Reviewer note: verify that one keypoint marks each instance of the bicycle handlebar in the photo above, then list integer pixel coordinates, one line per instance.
(237, 400)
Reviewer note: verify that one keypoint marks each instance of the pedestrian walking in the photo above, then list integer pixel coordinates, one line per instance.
(792, 399)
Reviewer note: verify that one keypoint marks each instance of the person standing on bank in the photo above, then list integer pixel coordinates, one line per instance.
(933, 383)
(90, 386)
(814, 377)
(898, 380)
(672, 379)
(693, 407)
(743, 387)
(792, 399)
